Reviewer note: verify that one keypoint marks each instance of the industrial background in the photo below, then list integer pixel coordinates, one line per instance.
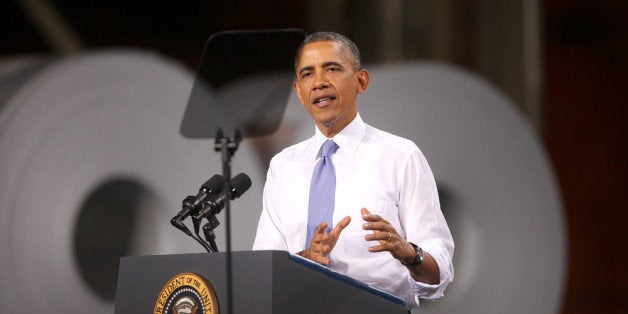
(562, 62)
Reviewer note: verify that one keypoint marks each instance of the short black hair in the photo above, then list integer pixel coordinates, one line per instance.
(335, 37)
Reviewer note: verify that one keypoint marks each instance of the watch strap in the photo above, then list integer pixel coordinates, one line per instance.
(418, 256)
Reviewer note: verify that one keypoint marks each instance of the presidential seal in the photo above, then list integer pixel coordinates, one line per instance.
(187, 293)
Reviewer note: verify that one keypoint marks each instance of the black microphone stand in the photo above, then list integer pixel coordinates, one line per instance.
(227, 146)
(177, 221)
(181, 226)
(208, 230)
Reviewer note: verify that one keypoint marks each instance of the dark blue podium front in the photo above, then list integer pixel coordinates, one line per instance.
(263, 282)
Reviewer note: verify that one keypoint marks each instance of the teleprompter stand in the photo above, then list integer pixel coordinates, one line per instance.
(241, 90)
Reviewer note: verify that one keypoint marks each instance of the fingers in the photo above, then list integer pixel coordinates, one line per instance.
(367, 216)
(320, 248)
(375, 222)
(344, 222)
(322, 242)
(387, 241)
(317, 256)
(321, 260)
(381, 236)
(341, 225)
(365, 213)
(383, 232)
(378, 248)
(377, 226)
(321, 228)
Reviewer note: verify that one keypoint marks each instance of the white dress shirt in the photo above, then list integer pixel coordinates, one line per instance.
(382, 172)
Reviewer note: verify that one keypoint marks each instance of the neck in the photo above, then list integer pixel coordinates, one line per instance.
(331, 129)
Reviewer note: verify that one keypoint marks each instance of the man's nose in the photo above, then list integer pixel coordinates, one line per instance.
(321, 81)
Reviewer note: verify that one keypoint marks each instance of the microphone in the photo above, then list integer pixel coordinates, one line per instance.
(238, 185)
(191, 204)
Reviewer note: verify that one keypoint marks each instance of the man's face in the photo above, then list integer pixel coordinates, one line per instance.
(327, 85)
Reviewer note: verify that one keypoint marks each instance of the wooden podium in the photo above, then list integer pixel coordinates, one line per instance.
(263, 282)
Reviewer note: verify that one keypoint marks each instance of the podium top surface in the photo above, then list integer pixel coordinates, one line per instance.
(356, 283)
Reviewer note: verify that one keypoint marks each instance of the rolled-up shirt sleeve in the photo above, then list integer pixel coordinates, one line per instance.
(424, 224)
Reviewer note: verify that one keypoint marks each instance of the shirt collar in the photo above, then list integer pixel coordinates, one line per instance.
(347, 139)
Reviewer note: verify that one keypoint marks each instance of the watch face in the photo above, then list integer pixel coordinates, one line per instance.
(418, 257)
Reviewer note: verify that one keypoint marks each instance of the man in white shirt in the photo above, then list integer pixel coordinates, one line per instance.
(388, 229)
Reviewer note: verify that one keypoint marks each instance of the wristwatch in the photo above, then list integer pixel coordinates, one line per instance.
(418, 257)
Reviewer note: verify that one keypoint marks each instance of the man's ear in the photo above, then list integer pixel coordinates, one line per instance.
(363, 80)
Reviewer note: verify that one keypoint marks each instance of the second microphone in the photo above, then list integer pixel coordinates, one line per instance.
(213, 205)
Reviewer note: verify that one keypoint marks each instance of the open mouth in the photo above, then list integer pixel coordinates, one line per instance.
(324, 100)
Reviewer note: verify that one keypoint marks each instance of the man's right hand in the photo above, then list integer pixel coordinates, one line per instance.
(322, 242)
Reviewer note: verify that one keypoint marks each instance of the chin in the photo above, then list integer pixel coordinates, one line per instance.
(326, 122)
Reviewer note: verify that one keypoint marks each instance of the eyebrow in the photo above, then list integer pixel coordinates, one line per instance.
(326, 64)
(330, 63)
(308, 68)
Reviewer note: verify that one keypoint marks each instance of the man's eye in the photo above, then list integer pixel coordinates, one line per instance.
(333, 69)
(304, 75)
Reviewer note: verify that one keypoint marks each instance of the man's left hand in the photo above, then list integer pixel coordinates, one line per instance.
(389, 240)
(387, 237)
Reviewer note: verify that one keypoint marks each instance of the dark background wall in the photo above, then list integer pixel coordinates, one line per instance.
(584, 45)
(586, 116)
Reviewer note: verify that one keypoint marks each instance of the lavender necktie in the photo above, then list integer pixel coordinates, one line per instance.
(322, 191)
